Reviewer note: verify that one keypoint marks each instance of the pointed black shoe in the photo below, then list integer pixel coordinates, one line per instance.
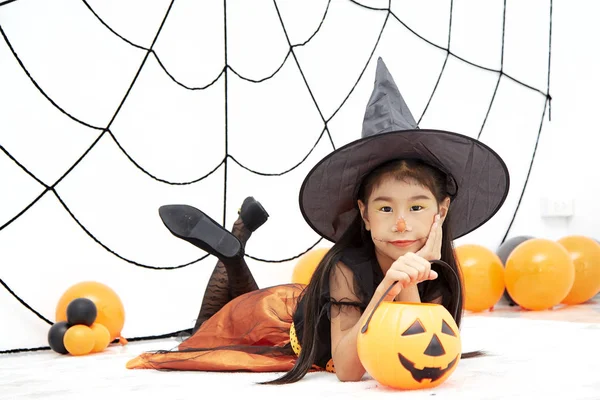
(253, 214)
(190, 224)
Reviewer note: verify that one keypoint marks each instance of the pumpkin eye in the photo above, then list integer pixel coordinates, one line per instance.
(446, 329)
(414, 329)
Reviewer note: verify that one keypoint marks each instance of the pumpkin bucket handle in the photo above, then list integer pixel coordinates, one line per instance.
(438, 262)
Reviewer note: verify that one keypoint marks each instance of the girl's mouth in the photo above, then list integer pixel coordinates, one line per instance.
(403, 243)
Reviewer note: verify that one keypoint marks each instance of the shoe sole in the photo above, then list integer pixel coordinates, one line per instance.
(191, 224)
(253, 207)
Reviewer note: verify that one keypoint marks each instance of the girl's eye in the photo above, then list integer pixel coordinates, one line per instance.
(386, 209)
(416, 208)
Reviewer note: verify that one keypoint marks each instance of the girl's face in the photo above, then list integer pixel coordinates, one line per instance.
(399, 216)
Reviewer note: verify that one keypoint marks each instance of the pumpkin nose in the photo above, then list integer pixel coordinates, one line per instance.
(435, 347)
(401, 225)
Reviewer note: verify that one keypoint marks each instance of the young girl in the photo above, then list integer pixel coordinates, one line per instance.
(391, 203)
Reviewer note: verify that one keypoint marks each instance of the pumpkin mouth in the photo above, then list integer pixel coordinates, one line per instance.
(433, 373)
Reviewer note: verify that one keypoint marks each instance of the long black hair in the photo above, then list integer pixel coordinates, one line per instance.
(355, 236)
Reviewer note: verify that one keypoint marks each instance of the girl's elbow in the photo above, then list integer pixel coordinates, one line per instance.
(349, 376)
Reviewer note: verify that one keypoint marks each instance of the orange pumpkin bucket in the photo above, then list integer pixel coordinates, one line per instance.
(410, 345)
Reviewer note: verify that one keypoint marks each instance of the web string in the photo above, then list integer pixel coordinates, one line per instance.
(224, 162)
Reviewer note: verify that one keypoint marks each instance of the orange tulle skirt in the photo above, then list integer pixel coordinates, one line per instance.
(250, 333)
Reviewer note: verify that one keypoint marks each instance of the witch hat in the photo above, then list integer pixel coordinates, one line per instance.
(477, 178)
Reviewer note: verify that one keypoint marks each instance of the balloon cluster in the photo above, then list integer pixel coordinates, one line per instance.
(534, 273)
(80, 334)
(89, 316)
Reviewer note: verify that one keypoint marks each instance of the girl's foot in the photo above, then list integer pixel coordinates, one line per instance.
(253, 214)
(192, 225)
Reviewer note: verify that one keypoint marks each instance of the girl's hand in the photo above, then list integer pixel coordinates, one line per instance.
(410, 269)
(432, 250)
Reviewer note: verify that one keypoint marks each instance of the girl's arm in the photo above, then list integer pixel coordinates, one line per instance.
(347, 321)
(344, 325)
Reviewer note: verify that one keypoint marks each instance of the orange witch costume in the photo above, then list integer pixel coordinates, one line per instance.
(261, 331)
(252, 332)
(243, 328)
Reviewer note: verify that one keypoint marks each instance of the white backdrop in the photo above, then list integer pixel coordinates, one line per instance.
(243, 98)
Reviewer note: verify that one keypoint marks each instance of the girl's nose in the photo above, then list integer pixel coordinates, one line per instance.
(400, 225)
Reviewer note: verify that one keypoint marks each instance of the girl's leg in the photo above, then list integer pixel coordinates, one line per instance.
(231, 276)
(234, 278)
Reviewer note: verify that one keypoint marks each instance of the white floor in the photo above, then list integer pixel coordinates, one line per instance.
(533, 355)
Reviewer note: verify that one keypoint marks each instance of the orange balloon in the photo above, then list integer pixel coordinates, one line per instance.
(111, 313)
(585, 253)
(483, 275)
(79, 340)
(101, 337)
(539, 274)
(306, 265)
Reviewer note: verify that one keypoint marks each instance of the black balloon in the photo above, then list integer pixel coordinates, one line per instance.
(81, 311)
(504, 252)
(56, 335)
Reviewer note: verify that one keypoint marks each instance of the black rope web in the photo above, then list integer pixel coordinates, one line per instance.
(223, 74)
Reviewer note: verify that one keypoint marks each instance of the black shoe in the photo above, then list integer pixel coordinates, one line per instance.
(253, 214)
(190, 224)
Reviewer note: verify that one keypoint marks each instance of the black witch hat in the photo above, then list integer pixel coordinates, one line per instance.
(477, 178)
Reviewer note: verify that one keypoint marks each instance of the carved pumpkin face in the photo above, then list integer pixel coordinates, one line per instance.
(410, 345)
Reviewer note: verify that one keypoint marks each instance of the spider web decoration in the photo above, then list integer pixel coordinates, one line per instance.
(206, 105)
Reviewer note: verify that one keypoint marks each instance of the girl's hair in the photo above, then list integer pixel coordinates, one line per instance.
(412, 171)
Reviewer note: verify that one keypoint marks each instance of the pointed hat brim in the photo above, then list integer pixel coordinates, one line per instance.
(480, 176)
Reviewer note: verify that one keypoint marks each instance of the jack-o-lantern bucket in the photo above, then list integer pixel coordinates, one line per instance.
(410, 345)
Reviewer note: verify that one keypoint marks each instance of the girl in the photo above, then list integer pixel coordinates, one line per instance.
(390, 202)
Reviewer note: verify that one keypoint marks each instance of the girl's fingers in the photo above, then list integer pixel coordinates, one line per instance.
(400, 276)
(420, 264)
(413, 272)
(429, 243)
(433, 243)
(408, 266)
(437, 248)
(411, 269)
